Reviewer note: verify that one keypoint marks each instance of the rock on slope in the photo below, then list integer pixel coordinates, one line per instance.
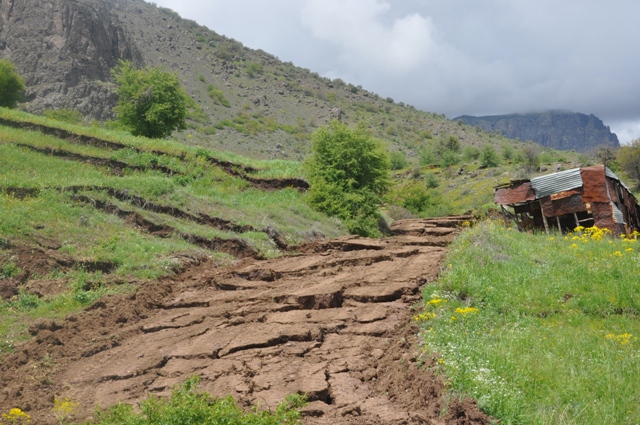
(65, 50)
(554, 129)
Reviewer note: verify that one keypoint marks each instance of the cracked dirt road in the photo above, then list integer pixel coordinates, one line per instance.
(333, 323)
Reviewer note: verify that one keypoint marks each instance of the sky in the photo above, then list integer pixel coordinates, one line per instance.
(457, 57)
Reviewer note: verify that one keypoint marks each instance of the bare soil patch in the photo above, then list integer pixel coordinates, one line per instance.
(333, 323)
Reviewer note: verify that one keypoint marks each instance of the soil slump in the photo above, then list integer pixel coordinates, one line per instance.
(334, 323)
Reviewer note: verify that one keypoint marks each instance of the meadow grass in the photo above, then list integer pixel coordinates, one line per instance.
(170, 147)
(539, 329)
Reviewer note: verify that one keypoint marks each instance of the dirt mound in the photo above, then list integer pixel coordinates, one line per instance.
(334, 323)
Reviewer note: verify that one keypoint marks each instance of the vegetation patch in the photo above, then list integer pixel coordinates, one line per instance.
(539, 329)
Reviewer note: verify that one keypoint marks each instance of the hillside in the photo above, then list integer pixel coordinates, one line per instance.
(245, 100)
(553, 129)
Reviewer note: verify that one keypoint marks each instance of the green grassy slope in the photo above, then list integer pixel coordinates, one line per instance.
(88, 211)
(539, 329)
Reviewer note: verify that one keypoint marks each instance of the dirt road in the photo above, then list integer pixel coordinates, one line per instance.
(333, 323)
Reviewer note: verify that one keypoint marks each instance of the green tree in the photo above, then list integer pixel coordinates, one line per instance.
(489, 157)
(628, 157)
(348, 172)
(398, 160)
(151, 102)
(11, 84)
(470, 153)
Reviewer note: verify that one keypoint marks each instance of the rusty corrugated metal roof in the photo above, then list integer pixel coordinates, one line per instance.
(556, 182)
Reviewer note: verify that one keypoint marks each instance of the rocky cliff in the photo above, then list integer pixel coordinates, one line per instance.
(555, 129)
(65, 49)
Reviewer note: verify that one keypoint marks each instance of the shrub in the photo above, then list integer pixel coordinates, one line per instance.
(488, 157)
(398, 160)
(151, 102)
(218, 96)
(348, 174)
(11, 84)
(427, 156)
(470, 153)
(255, 68)
(449, 158)
(431, 181)
(629, 159)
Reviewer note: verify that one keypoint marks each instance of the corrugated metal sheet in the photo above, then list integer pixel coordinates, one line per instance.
(618, 217)
(518, 192)
(556, 182)
(610, 174)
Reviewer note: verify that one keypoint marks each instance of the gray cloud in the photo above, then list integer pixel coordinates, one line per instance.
(455, 56)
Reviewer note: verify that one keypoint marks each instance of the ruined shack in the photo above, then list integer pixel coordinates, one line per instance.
(589, 196)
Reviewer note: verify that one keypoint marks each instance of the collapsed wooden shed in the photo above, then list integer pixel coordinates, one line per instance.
(589, 196)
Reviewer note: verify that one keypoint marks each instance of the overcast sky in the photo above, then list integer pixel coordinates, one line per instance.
(473, 57)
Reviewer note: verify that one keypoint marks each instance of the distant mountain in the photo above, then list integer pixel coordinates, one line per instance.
(554, 129)
(245, 100)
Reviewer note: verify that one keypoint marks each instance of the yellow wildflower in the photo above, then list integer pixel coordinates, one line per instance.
(573, 246)
(424, 317)
(436, 301)
(466, 310)
(63, 408)
(623, 339)
(617, 254)
(17, 416)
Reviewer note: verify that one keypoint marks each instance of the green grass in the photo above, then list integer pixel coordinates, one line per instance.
(188, 406)
(539, 329)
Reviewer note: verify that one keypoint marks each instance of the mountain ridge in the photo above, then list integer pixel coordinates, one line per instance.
(557, 129)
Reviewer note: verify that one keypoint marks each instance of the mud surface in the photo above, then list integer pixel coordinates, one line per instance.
(333, 323)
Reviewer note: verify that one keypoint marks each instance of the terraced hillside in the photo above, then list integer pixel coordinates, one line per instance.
(87, 212)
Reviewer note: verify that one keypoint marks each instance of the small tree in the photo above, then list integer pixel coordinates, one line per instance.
(348, 172)
(11, 84)
(398, 160)
(629, 159)
(488, 157)
(531, 155)
(151, 102)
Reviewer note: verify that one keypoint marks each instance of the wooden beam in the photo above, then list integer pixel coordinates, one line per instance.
(544, 219)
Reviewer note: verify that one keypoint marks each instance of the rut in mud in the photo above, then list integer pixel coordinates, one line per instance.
(333, 323)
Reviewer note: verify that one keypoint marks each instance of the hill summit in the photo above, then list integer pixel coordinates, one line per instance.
(244, 100)
(562, 130)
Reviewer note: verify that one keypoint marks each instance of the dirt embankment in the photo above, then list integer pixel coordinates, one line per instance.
(333, 323)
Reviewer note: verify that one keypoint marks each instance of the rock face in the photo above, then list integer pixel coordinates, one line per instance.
(555, 129)
(65, 50)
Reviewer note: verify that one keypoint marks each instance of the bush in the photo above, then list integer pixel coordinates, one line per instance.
(629, 159)
(470, 153)
(218, 96)
(449, 158)
(11, 85)
(151, 102)
(431, 181)
(398, 160)
(348, 174)
(489, 157)
(427, 156)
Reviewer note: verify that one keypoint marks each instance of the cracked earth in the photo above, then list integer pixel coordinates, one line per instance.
(333, 322)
